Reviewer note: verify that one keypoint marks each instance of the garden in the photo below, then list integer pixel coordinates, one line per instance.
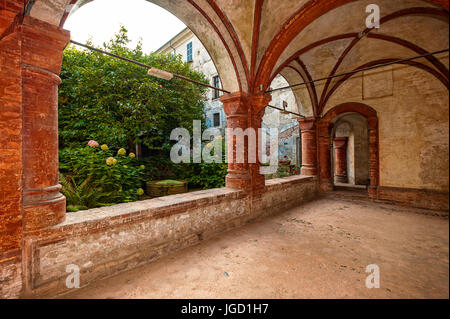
(108, 106)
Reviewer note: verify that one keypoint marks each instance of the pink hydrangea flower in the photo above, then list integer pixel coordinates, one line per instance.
(93, 143)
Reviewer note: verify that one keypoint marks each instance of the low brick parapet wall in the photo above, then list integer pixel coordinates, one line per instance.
(105, 241)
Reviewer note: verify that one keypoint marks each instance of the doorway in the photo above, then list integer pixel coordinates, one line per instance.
(350, 152)
(348, 148)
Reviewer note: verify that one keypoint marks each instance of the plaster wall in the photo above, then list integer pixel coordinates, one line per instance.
(413, 125)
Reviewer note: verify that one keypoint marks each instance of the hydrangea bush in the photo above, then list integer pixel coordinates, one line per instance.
(118, 176)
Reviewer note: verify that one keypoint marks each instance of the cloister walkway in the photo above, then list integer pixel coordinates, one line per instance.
(318, 250)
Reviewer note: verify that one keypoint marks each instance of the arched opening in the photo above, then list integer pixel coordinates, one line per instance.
(156, 156)
(350, 155)
(289, 141)
(348, 147)
(207, 25)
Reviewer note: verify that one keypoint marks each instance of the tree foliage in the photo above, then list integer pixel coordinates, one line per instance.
(106, 99)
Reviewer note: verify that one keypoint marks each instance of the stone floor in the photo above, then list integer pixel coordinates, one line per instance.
(319, 250)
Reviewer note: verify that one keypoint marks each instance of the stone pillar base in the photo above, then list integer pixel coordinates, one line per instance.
(373, 192)
(326, 186)
(43, 208)
(308, 171)
(238, 181)
(341, 179)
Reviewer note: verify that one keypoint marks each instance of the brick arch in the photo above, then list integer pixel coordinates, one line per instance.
(325, 127)
(208, 22)
(341, 122)
(352, 107)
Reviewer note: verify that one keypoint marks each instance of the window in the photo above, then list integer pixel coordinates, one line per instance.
(216, 119)
(216, 84)
(189, 52)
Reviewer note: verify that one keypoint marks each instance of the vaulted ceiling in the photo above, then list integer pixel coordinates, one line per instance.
(251, 41)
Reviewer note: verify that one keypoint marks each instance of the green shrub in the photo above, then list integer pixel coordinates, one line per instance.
(209, 176)
(205, 176)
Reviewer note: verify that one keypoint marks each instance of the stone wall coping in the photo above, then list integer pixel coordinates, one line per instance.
(281, 182)
(94, 220)
(199, 198)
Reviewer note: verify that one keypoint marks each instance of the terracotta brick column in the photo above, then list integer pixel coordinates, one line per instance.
(325, 181)
(10, 137)
(30, 61)
(340, 159)
(309, 146)
(42, 46)
(373, 157)
(244, 112)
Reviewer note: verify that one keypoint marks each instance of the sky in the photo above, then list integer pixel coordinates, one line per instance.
(100, 19)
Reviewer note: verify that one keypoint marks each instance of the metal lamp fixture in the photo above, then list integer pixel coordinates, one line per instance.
(160, 74)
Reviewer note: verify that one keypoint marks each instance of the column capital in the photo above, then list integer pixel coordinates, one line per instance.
(340, 142)
(241, 103)
(236, 103)
(307, 123)
(260, 102)
(11, 5)
(42, 44)
(324, 128)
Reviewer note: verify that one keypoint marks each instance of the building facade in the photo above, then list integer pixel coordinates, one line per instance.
(192, 50)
